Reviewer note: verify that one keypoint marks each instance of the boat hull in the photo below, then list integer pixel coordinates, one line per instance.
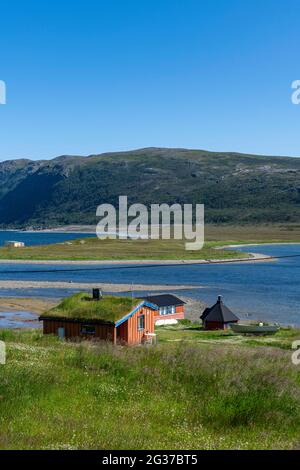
(254, 329)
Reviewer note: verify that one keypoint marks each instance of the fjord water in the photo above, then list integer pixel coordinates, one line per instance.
(39, 238)
(267, 291)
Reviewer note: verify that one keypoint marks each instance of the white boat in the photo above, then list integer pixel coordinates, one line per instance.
(254, 329)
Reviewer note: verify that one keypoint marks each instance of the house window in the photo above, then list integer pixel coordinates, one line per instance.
(167, 310)
(141, 322)
(88, 330)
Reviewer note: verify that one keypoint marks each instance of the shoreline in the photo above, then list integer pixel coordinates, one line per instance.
(37, 306)
(33, 305)
(257, 244)
(68, 229)
(108, 287)
(253, 257)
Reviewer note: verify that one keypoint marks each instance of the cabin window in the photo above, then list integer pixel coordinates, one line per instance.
(88, 330)
(141, 322)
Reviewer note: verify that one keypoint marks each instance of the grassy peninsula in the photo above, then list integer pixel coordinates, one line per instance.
(216, 236)
(89, 249)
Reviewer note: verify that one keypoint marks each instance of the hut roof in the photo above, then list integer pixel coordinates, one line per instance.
(219, 313)
(164, 300)
(82, 307)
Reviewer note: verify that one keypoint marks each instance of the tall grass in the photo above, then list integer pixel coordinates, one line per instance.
(180, 396)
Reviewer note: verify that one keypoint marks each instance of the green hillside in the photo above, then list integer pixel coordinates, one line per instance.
(235, 188)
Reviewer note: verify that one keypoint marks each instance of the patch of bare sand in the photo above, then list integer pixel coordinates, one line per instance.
(90, 285)
(25, 305)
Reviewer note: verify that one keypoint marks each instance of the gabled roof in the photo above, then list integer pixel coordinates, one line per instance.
(164, 300)
(219, 313)
(144, 303)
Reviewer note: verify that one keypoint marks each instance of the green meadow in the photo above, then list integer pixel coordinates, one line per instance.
(193, 390)
(95, 249)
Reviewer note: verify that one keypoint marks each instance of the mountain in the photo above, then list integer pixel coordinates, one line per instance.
(235, 188)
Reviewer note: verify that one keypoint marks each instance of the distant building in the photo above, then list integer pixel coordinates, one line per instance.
(14, 244)
(218, 316)
(170, 308)
(113, 319)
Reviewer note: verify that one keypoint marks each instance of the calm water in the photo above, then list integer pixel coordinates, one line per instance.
(40, 238)
(261, 290)
(19, 320)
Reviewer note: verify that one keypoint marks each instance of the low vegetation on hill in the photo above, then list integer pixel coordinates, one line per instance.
(180, 395)
(235, 188)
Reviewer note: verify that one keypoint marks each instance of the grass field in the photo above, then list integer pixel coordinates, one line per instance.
(94, 249)
(177, 395)
(191, 332)
(271, 233)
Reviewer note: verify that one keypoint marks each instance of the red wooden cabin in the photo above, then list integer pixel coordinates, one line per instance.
(133, 327)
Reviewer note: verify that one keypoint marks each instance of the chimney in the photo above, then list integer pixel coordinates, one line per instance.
(97, 294)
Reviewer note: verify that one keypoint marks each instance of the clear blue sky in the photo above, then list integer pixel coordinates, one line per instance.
(93, 76)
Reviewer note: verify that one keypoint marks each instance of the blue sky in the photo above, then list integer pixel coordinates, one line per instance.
(90, 76)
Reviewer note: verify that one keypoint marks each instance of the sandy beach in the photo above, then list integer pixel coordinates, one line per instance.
(33, 305)
(81, 285)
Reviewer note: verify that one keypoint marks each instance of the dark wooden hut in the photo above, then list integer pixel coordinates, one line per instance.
(218, 316)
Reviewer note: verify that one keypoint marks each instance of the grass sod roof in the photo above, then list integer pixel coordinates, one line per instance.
(82, 307)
